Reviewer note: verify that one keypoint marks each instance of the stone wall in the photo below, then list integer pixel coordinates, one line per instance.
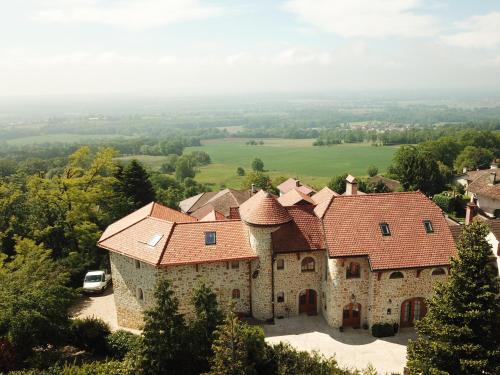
(220, 277)
(391, 293)
(127, 279)
(291, 281)
(260, 241)
(340, 291)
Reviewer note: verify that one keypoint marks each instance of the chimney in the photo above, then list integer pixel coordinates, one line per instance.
(493, 178)
(471, 210)
(252, 191)
(297, 183)
(351, 186)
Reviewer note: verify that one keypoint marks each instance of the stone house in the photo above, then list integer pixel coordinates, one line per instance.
(356, 259)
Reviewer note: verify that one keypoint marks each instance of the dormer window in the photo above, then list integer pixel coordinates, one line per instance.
(428, 226)
(210, 238)
(384, 227)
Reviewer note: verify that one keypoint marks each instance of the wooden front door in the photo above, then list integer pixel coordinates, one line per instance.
(351, 315)
(308, 300)
(412, 309)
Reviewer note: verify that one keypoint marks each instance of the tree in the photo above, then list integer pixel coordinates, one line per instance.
(184, 168)
(34, 300)
(257, 165)
(240, 171)
(474, 158)
(259, 180)
(230, 352)
(372, 170)
(164, 334)
(169, 165)
(208, 317)
(416, 169)
(136, 186)
(338, 183)
(461, 332)
(201, 157)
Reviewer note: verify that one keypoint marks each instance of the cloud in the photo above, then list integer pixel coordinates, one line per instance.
(365, 18)
(477, 32)
(131, 14)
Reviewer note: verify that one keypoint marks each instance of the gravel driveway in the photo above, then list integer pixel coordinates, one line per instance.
(98, 305)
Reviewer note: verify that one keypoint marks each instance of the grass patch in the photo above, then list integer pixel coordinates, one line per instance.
(62, 138)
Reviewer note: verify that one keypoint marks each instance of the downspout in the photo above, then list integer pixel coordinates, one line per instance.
(250, 285)
(273, 259)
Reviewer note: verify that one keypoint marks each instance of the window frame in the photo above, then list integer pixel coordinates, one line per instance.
(349, 275)
(396, 273)
(429, 228)
(137, 263)
(386, 226)
(280, 297)
(210, 243)
(304, 266)
(235, 265)
(438, 271)
(278, 262)
(139, 294)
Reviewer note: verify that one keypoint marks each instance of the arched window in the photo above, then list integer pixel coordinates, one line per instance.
(353, 271)
(438, 271)
(396, 275)
(307, 265)
(280, 264)
(280, 297)
(236, 294)
(140, 294)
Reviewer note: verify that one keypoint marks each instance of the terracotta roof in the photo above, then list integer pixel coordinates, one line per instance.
(324, 194)
(473, 175)
(494, 226)
(481, 185)
(321, 208)
(456, 230)
(303, 233)
(352, 228)
(152, 209)
(213, 216)
(292, 183)
(264, 209)
(187, 243)
(221, 201)
(294, 197)
(193, 203)
(391, 184)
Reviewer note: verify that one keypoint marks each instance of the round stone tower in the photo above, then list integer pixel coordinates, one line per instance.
(263, 215)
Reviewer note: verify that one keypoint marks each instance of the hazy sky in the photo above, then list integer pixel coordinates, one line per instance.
(221, 47)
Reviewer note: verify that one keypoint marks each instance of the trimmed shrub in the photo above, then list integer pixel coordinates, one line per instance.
(382, 330)
(90, 334)
(121, 342)
(446, 203)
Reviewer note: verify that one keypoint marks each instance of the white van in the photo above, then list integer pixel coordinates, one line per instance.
(96, 281)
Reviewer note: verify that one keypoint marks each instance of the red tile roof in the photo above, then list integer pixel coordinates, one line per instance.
(302, 234)
(165, 213)
(294, 197)
(187, 243)
(213, 215)
(292, 183)
(481, 185)
(352, 228)
(264, 209)
(193, 203)
(324, 194)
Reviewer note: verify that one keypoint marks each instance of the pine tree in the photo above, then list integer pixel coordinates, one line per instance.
(461, 332)
(208, 317)
(230, 352)
(164, 350)
(136, 185)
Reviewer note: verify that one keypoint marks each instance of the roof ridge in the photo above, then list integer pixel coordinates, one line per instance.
(379, 194)
(208, 221)
(166, 243)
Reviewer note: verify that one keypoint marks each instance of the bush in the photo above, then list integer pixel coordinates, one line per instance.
(382, 330)
(121, 342)
(90, 334)
(445, 202)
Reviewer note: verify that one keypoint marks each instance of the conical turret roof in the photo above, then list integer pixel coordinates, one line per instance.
(264, 209)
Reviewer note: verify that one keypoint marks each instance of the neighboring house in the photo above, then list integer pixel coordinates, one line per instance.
(392, 185)
(291, 184)
(356, 259)
(485, 186)
(222, 202)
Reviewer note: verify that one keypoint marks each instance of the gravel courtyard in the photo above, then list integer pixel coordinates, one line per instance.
(352, 348)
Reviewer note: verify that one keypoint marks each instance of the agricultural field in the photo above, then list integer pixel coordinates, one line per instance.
(63, 138)
(282, 157)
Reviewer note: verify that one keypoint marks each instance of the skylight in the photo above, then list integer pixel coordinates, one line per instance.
(428, 226)
(210, 238)
(154, 240)
(384, 227)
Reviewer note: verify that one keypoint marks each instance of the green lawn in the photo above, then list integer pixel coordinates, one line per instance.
(283, 157)
(63, 138)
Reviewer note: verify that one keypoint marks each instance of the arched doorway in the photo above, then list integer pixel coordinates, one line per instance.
(412, 309)
(351, 315)
(308, 300)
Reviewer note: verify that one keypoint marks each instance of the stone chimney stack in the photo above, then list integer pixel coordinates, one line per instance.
(297, 183)
(471, 210)
(493, 178)
(253, 191)
(351, 187)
